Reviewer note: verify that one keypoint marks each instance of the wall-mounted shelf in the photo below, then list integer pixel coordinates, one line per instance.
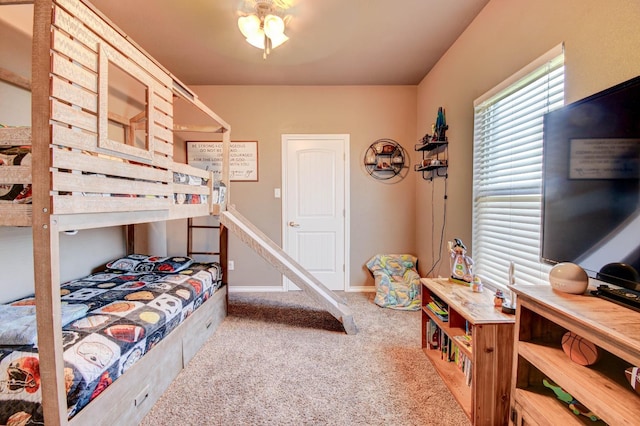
(435, 158)
(385, 159)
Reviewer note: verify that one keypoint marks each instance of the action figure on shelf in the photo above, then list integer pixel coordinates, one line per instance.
(440, 127)
(461, 265)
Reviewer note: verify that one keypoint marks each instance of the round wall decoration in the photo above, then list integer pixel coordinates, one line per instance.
(385, 159)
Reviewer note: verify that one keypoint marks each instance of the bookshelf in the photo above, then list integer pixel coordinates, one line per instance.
(478, 376)
(544, 316)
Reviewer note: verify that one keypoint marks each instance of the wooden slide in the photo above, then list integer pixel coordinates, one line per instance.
(273, 254)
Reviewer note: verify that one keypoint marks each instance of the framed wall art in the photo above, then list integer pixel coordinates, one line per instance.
(243, 159)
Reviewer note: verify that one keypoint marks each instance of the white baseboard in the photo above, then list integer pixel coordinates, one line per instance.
(255, 289)
(267, 289)
(361, 289)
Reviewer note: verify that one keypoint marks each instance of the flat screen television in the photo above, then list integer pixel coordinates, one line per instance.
(591, 185)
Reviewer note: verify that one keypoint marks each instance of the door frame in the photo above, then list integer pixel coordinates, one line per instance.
(346, 141)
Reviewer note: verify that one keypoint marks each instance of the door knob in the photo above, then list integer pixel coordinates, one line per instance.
(294, 225)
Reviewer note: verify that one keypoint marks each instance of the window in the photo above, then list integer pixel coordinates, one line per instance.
(507, 178)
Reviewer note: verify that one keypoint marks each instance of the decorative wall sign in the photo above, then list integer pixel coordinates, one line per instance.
(243, 159)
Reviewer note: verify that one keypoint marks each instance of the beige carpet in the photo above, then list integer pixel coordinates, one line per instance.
(277, 359)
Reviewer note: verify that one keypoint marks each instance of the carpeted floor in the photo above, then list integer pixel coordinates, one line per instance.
(277, 359)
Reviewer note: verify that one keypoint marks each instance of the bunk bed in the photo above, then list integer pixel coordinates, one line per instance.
(102, 147)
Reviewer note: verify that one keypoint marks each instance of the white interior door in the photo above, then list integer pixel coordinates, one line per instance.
(315, 190)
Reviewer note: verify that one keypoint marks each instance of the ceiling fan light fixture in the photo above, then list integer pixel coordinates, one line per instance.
(263, 29)
(277, 40)
(273, 26)
(249, 25)
(257, 39)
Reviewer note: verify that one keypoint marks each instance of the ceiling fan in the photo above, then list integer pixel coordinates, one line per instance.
(263, 22)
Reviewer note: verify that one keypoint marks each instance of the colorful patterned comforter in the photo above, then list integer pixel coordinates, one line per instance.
(128, 314)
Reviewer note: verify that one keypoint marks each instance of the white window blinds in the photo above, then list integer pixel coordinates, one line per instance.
(507, 178)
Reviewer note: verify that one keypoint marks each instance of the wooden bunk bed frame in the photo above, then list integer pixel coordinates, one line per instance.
(74, 46)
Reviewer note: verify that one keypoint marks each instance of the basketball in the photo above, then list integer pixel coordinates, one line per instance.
(580, 350)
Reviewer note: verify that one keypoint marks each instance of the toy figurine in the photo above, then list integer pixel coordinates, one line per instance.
(461, 265)
(574, 405)
(477, 284)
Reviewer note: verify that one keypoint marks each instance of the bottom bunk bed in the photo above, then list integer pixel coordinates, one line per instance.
(111, 322)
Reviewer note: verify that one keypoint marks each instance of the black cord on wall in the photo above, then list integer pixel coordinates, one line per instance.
(444, 221)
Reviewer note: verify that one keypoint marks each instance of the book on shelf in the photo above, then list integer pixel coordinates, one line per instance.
(464, 340)
(467, 371)
(433, 335)
(439, 309)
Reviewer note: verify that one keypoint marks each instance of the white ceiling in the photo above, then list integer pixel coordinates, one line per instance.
(332, 42)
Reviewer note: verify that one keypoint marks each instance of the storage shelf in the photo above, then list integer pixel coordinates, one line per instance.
(390, 155)
(430, 146)
(485, 401)
(453, 378)
(544, 316)
(542, 407)
(419, 168)
(432, 151)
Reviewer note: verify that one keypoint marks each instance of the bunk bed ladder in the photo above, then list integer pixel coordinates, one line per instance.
(190, 250)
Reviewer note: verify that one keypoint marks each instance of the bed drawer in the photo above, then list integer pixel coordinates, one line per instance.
(204, 321)
(127, 400)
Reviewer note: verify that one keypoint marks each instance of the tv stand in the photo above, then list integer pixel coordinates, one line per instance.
(543, 317)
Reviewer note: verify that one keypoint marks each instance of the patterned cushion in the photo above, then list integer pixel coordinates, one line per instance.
(144, 263)
(397, 281)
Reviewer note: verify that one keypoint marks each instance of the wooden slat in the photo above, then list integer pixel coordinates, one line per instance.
(163, 105)
(161, 118)
(190, 189)
(15, 214)
(537, 407)
(71, 182)
(15, 174)
(109, 34)
(74, 73)
(164, 134)
(3, 2)
(190, 170)
(183, 211)
(74, 117)
(75, 50)
(163, 162)
(65, 136)
(73, 94)
(15, 79)
(67, 204)
(109, 219)
(15, 136)
(77, 161)
(192, 128)
(163, 147)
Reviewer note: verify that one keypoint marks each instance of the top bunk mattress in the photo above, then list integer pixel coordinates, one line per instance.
(110, 320)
